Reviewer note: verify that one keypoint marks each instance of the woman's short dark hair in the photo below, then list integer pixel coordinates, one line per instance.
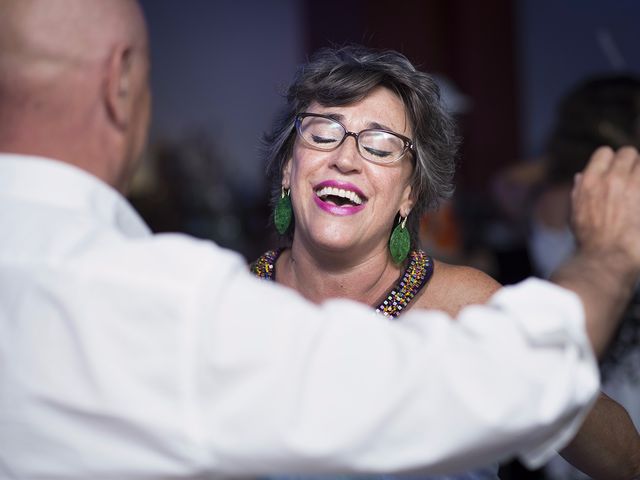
(335, 77)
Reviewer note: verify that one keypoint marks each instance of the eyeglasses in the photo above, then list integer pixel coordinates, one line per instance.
(374, 144)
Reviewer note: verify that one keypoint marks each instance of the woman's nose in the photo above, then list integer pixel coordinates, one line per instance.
(346, 157)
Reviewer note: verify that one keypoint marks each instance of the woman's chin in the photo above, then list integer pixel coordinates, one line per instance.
(333, 244)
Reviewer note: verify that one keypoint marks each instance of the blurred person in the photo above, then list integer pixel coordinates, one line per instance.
(183, 186)
(129, 355)
(343, 203)
(603, 110)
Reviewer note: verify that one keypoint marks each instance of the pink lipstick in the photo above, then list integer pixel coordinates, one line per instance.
(352, 192)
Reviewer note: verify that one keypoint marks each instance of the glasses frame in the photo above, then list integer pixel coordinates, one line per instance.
(407, 142)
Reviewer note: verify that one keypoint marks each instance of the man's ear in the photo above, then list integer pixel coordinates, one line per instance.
(118, 94)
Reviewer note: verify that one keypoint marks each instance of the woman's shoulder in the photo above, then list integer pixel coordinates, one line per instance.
(453, 287)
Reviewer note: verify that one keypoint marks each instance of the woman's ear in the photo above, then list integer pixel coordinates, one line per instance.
(286, 174)
(407, 202)
(118, 94)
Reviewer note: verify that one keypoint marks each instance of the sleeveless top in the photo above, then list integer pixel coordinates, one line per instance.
(415, 276)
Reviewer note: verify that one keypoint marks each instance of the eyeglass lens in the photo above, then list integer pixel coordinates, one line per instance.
(375, 145)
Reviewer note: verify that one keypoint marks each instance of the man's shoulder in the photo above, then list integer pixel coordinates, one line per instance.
(104, 262)
(171, 258)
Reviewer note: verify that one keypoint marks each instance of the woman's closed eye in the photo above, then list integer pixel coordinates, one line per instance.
(323, 140)
(376, 152)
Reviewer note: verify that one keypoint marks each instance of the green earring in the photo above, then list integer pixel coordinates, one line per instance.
(399, 243)
(283, 213)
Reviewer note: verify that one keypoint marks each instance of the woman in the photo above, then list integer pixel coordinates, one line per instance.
(362, 149)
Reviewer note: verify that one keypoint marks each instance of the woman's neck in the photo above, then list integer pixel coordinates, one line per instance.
(319, 275)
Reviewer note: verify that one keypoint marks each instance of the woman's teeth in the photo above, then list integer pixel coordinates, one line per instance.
(353, 197)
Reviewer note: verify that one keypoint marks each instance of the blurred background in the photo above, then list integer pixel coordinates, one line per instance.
(220, 69)
(505, 67)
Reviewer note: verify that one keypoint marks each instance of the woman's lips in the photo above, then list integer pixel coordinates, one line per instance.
(341, 185)
(344, 190)
(337, 209)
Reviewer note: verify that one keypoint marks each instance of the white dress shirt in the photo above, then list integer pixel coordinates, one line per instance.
(130, 355)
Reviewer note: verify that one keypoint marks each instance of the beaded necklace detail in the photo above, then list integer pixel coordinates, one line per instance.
(265, 266)
(415, 276)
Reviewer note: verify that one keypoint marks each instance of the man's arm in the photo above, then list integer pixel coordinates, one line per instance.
(607, 446)
(607, 227)
(342, 390)
(605, 285)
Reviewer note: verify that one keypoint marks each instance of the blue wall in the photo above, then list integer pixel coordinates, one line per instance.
(561, 43)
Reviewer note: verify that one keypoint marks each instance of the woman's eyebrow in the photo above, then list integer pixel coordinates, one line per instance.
(379, 126)
(334, 116)
(341, 118)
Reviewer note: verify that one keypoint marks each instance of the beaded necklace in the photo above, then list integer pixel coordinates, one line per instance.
(414, 277)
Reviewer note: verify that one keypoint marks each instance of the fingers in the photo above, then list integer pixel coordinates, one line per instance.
(605, 203)
(624, 161)
(620, 165)
(608, 178)
(577, 181)
(600, 162)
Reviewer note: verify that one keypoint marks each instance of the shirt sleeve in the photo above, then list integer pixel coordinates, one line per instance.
(164, 358)
(284, 386)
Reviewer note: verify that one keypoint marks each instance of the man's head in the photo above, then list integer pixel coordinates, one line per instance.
(74, 83)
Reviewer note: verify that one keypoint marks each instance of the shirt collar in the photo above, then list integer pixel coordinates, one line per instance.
(45, 180)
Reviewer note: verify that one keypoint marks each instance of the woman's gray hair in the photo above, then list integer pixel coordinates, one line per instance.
(335, 77)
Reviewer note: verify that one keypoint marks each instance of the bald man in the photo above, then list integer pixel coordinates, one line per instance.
(128, 355)
(75, 67)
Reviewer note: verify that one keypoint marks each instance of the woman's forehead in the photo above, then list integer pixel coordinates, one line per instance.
(379, 107)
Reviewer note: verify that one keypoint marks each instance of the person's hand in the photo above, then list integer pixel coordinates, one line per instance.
(606, 223)
(606, 206)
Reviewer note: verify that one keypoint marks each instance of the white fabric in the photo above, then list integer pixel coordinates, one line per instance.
(127, 355)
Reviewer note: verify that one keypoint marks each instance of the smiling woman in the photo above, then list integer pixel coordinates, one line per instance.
(362, 149)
